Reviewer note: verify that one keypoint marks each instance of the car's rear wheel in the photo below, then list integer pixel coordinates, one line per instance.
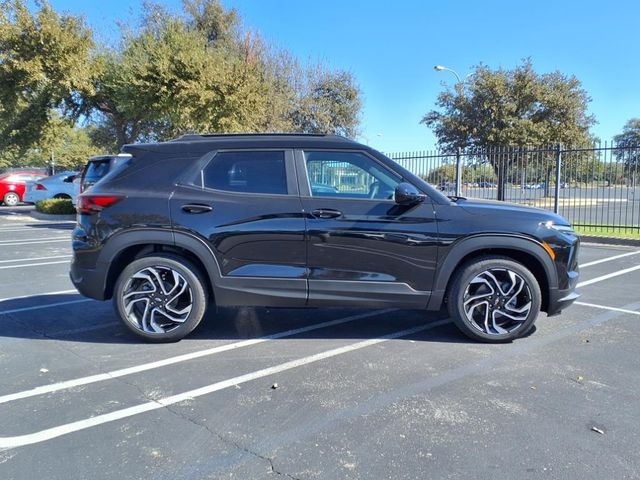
(494, 299)
(160, 298)
(11, 199)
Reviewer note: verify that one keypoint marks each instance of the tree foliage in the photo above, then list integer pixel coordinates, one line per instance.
(193, 70)
(628, 143)
(518, 107)
(44, 69)
(198, 71)
(497, 109)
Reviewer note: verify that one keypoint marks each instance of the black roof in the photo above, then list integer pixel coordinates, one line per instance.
(209, 142)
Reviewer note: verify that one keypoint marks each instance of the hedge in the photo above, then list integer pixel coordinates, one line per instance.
(56, 206)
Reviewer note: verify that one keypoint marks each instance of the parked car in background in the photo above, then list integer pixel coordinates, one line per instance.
(12, 185)
(486, 185)
(55, 186)
(98, 167)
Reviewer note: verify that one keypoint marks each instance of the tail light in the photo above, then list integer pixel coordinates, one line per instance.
(90, 204)
(40, 186)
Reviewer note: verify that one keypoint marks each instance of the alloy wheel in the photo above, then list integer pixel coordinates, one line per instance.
(157, 299)
(497, 301)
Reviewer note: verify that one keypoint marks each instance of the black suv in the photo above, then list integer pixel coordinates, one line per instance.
(309, 221)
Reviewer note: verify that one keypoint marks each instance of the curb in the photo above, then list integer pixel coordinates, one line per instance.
(48, 216)
(629, 242)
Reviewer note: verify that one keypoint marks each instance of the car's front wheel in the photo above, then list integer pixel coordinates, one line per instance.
(494, 299)
(160, 298)
(11, 199)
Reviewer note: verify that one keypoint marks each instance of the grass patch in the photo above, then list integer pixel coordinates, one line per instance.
(616, 232)
(56, 206)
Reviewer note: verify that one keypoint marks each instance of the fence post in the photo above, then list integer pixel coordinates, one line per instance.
(458, 173)
(556, 198)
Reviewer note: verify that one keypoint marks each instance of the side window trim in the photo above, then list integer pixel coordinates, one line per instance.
(290, 171)
(304, 184)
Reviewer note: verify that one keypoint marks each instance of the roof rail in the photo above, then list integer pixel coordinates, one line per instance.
(204, 136)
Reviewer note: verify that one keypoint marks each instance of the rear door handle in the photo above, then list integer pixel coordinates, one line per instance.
(326, 213)
(196, 208)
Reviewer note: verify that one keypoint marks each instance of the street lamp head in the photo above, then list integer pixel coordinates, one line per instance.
(439, 68)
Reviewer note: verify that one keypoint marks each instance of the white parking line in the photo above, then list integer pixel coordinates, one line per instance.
(33, 241)
(32, 229)
(55, 387)
(4, 267)
(608, 259)
(60, 430)
(604, 307)
(36, 224)
(28, 259)
(47, 305)
(33, 295)
(608, 276)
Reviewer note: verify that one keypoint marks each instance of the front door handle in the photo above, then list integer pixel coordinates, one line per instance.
(196, 208)
(326, 213)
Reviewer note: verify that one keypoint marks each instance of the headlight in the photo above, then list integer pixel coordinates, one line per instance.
(559, 228)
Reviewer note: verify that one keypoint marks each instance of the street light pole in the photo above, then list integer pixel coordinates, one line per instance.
(442, 68)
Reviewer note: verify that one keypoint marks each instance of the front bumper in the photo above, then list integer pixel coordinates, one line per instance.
(561, 299)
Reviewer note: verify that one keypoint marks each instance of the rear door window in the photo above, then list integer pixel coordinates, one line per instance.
(247, 171)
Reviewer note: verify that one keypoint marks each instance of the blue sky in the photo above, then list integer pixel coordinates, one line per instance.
(391, 48)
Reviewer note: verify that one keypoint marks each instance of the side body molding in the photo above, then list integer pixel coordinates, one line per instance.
(479, 243)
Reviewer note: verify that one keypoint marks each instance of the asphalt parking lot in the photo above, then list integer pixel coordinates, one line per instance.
(391, 394)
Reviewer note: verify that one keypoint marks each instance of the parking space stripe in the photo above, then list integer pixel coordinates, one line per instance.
(60, 430)
(33, 295)
(5, 267)
(604, 307)
(608, 276)
(33, 229)
(608, 259)
(47, 305)
(100, 377)
(40, 239)
(29, 259)
(33, 241)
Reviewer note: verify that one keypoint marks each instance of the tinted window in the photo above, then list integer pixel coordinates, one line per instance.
(96, 170)
(254, 172)
(349, 175)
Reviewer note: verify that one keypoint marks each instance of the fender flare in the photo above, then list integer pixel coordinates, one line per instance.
(146, 236)
(477, 243)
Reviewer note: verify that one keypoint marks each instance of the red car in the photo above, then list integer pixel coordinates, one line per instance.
(12, 185)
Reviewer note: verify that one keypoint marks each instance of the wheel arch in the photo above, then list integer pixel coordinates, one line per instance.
(524, 250)
(123, 248)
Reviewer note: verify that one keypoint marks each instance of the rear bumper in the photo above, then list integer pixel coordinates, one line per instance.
(89, 282)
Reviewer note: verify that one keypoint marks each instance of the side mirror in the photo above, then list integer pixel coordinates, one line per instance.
(407, 194)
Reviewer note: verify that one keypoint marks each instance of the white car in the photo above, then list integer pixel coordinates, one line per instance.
(55, 186)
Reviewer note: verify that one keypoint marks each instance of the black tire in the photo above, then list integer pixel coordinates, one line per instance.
(138, 293)
(11, 199)
(463, 292)
(62, 196)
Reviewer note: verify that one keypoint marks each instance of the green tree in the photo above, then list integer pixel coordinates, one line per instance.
(198, 71)
(496, 109)
(44, 69)
(628, 143)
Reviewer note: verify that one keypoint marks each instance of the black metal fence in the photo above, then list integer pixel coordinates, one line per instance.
(597, 187)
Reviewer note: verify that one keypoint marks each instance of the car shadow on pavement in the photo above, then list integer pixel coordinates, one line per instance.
(72, 318)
